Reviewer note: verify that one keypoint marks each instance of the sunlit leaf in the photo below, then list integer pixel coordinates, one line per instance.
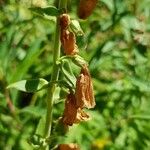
(33, 85)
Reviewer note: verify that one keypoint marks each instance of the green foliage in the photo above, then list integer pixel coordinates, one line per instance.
(116, 45)
(29, 85)
(51, 11)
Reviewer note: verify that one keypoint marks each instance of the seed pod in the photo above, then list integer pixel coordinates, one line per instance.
(68, 42)
(84, 89)
(64, 21)
(86, 8)
(70, 146)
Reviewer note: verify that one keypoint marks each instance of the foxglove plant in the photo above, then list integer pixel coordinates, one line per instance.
(80, 90)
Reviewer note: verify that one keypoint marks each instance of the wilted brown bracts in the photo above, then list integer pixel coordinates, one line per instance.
(84, 89)
(70, 146)
(86, 8)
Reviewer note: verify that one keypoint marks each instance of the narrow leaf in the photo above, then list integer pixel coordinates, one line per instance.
(50, 10)
(29, 85)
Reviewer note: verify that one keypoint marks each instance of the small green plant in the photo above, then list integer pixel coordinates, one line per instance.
(77, 89)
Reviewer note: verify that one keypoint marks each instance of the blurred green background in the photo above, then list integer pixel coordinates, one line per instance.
(116, 43)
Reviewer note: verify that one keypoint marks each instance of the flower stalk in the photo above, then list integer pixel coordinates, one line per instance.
(54, 76)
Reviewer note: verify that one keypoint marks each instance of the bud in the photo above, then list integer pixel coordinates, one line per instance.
(85, 8)
(68, 42)
(84, 89)
(70, 146)
(64, 21)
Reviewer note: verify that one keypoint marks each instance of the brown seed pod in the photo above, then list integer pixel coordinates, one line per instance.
(86, 8)
(68, 41)
(64, 21)
(84, 89)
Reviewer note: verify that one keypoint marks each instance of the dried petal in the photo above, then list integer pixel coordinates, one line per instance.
(84, 89)
(68, 41)
(70, 146)
(81, 116)
(70, 111)
(86, 7)
(72, 114)
(64, 21)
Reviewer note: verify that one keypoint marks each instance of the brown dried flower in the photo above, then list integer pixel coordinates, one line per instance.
(70, 146)
(85, 8)
(72, 114)
(68, 41)
(70, 111)
(84, 89)
(64, 21)
(81, 116)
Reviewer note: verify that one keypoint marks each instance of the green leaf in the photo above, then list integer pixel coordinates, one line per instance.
(29, 85)
(40, 127)
(76, 28)
(68, 74)
(50, 10)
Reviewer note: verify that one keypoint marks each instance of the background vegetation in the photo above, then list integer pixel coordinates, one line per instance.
(116, 45)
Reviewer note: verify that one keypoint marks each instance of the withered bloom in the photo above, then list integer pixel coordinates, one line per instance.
(64, 21)
(84, 89)
(72, 114)
(70, 146)
(70, 111)
(81, 116)
(86, 8)
(68, 41)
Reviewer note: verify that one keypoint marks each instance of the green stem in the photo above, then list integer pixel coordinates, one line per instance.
(54, 77)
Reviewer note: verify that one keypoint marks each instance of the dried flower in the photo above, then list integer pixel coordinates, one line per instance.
(72, 114)
(68, 39)
(84, 89)
(70, 111)
(68, 42)
(70, 146)
(81, 116)
(86, 7)
(64, 21)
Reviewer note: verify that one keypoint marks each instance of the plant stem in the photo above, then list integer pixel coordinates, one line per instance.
(54, 76)
(51, 89)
